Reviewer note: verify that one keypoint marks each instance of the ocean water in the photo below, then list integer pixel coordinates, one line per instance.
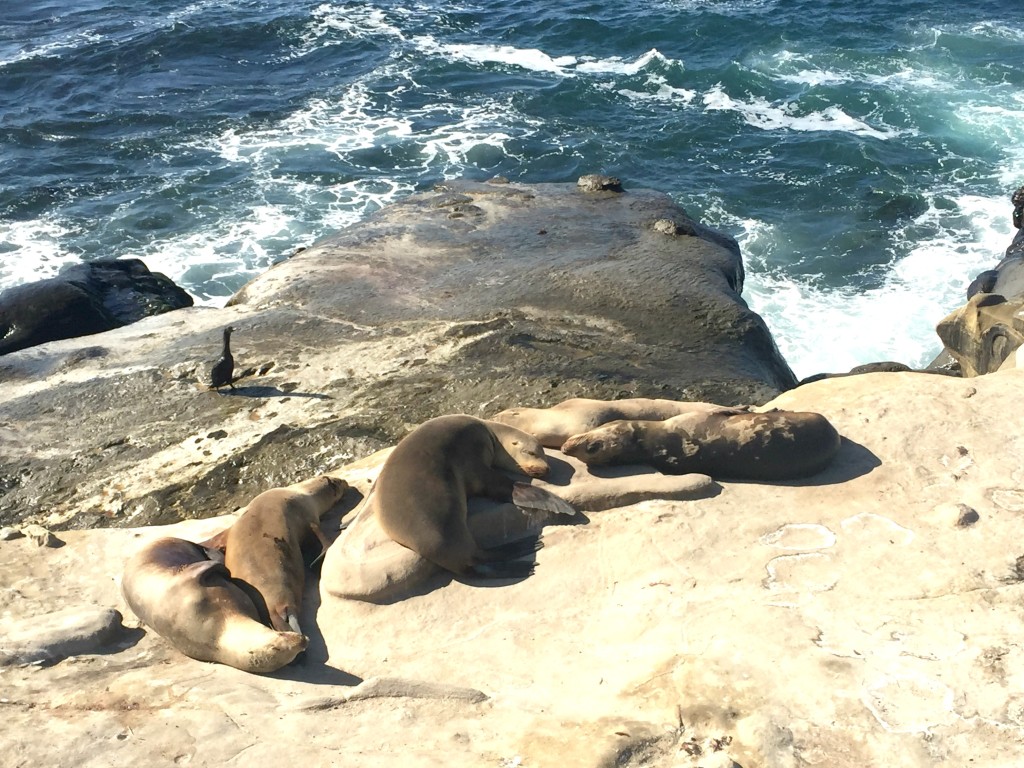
(863, 154)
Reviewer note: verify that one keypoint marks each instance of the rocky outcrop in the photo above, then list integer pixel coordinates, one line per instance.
(869, 616)
(84, 299)
(469, 298)
(982, 336)
(983, 333)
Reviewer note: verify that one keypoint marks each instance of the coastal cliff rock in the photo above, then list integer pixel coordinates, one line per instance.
(84, 299)
(982, 335)
(469, 298)
(867, 616)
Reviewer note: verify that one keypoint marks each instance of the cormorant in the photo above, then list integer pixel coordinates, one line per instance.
(224, 368)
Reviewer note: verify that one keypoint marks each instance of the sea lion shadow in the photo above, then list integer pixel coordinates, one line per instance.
(333, 522)
(311, 666)
(265, 391)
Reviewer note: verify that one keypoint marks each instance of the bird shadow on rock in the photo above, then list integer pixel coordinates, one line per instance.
(265, 391)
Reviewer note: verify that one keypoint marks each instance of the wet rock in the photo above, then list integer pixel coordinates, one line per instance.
(403, 317)
(84, 299)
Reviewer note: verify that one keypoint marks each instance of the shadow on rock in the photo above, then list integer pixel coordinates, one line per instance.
(271, 392)
(852, 461)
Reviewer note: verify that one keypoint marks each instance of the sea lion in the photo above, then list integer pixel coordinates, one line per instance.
(223, 370)
(190, 600)
(776, 445)
(263, 549)
(554, 425)
(420, 496)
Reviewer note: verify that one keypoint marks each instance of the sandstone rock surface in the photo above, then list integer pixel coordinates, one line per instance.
(853, 619)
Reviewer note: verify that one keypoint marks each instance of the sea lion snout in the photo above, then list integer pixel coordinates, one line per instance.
(538, 468)
(583, 446)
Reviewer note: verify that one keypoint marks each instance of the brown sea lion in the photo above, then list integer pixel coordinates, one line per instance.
(554, 425)
(777, 445)
(420, 496)
(263, 549)
(191, 601)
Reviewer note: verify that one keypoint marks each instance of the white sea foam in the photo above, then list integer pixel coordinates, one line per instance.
(762, 114)
(535, 60)
(664, 93)
(335, 24)
(54, 48)
(531, 59)
(822, 329)
(618, 66)
(36, 250)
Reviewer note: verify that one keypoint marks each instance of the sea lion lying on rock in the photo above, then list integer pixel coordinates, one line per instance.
(554, 425)
(420, 496)
(364, 563)
(190, 600)
(263, 548)
(776, 445)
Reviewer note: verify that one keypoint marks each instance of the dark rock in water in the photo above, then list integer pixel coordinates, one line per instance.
(84, 299)
(885, 366)
(983, 283)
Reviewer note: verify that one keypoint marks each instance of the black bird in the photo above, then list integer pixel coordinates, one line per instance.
(224, 368)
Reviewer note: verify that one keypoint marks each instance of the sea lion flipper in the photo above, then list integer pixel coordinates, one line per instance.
(513, 549)
(217, 543)
(206, 570)
(531, 498)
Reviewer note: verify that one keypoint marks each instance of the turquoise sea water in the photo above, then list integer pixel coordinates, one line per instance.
(863, 154)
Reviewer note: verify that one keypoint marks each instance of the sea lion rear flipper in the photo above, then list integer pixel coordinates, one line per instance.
(289, 619)
(510, 569)
(513, 549)
(206, 570)
(531, 498)
(216, 545)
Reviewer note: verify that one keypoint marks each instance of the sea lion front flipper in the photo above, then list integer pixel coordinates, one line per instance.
(314, 564)
(530, 498)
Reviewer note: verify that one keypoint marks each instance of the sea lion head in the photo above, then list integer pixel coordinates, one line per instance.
(610, 442)
(521, 449)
